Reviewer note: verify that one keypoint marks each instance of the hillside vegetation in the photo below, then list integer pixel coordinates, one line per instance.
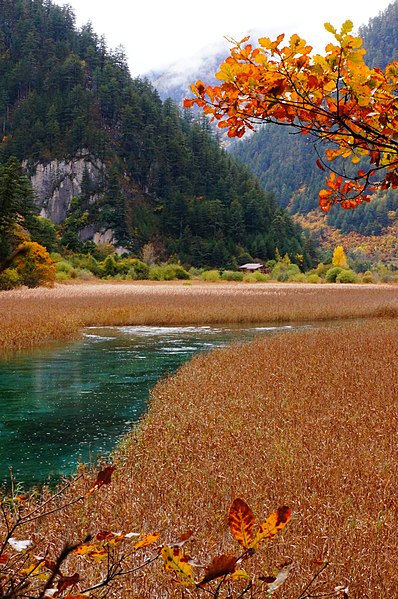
(286, 162)
(164, 178)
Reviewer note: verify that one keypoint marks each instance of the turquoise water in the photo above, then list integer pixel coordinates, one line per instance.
(72, 403)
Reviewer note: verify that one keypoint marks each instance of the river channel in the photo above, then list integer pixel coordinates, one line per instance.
(73, 402)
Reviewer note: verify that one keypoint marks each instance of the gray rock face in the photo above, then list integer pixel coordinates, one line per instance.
(55, 184)
(58, 181)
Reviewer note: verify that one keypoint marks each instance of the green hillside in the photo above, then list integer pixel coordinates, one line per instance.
(380, 37)
(162, 176)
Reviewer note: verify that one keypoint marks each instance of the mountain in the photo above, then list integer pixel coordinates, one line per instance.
(174, 83)
(380, 37)
(285, 162)
(111, 162)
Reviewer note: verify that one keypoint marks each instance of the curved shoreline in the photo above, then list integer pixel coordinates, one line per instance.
(36, 317)
(308, 419)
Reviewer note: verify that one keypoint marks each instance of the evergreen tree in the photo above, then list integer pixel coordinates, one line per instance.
(16, 203)
(164, 173)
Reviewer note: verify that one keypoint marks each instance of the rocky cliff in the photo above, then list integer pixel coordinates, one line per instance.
(58, 181)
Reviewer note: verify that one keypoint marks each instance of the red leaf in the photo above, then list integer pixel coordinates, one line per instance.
(182, 539)
(105, 534)
(68, 581)
(50, 565)
(103, 478)
(188, 103)
(200, 86)
(220, 566)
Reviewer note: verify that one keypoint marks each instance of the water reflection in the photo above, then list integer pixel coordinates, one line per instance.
(73, 403)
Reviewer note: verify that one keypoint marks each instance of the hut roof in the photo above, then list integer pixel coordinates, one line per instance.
(251, 266)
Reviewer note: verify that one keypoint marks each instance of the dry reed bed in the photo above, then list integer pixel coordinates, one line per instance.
(32, 317)
(307, 419)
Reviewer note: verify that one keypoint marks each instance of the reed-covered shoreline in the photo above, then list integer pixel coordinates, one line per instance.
(35, 317)
(305, 418)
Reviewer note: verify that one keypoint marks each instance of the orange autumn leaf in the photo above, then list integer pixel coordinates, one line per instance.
(146, 541)
(20, 498)
(274, 524)
(96, 552)
(324, 193)
(288, 85)
(188, 103)
(241, 521)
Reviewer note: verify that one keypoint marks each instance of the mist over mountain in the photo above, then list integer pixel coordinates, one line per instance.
(175, 82)
(111, 162)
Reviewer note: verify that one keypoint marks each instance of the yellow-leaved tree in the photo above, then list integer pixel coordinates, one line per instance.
(339, 258)
(34, 265)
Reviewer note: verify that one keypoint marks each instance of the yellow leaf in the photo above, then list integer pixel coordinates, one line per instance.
(175, 560)
(147, 540)
(265, 42)
(347, 27)
(95, 552)
(274, 523)
(227, 72)
(330, 28)
(35, 569)
(240, 575)
(99, 555)
(84, 549)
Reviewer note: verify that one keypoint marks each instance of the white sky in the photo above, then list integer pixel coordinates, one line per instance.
(157, 33)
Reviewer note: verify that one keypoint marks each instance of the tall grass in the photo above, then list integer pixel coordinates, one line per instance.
(306, 419)
(32, 317)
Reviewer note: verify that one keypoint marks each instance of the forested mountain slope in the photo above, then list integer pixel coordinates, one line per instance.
(123, 163)
(380, 37)
(285, 162)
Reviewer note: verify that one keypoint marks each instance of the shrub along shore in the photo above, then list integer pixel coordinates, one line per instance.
(305, 418)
